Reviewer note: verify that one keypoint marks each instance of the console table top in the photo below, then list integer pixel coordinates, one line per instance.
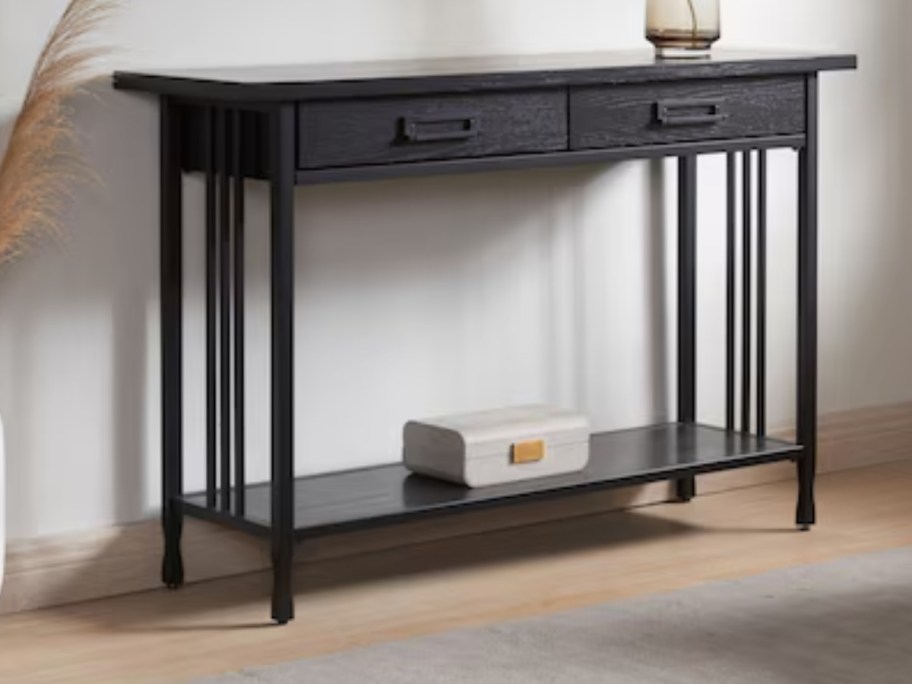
(377, 78)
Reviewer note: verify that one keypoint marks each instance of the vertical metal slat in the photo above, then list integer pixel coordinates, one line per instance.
(240, 476)
(730, 284)
(222, 140)
(746, 294)
(687, 289)
(761, 290)
(211, 307)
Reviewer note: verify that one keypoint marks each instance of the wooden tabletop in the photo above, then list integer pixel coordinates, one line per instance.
(278, 82)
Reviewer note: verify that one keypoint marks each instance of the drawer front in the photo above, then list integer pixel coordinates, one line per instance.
(391, 130)
(657, 113)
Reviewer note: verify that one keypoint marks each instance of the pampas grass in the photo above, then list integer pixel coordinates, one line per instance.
(41, 167)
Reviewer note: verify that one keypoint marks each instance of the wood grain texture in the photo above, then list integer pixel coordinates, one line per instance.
(370, 131)
(627, 116)
(464, 74)
(217, 627)
(103, 563)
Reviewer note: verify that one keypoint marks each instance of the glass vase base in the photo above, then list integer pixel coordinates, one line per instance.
(683, 53)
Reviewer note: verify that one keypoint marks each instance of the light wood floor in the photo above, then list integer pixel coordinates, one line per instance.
(220, 626)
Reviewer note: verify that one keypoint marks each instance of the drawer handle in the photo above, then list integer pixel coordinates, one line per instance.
(690, 112)
(424, 130)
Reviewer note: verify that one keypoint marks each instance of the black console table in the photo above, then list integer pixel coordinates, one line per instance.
(315, 124)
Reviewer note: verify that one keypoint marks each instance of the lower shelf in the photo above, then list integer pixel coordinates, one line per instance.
(387, 494)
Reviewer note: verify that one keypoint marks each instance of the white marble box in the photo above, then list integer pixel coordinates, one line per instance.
(500, 446)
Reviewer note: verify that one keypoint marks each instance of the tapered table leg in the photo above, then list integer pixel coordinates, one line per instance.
(171, 342)
(686, 488)
(807, 315)
(282, 258)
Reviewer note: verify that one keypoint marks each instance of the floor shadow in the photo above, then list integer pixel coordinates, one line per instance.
(161, 611)
(495, 548)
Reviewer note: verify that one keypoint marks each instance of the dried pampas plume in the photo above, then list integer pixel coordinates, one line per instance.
(40, 167)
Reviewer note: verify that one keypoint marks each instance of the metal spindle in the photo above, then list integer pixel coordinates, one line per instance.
(730, 284)
(211, 291)
(282, 163)
(240, 476)
(223, 141)
(761, 291)
(687, 305)
(687, 289)
(808, 308)
(747, 279)
(172, 368)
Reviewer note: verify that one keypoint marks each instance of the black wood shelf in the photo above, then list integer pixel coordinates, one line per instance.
(356, 499)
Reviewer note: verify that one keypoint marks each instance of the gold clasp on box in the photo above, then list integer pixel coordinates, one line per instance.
(528, 452)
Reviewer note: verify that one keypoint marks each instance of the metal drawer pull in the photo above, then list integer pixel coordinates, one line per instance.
(422, 130)
(690, 112)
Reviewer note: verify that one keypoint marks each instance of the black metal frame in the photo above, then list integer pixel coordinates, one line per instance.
(281, 136)
(172, 371)
(807, 310)
(225, 234)
(224, 162)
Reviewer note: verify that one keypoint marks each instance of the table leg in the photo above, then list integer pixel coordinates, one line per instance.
(687, 305)
(807, 314)
(282, 257)
(171, 292)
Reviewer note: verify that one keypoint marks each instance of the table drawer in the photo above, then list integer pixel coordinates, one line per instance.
(657, 113)
(409, 129)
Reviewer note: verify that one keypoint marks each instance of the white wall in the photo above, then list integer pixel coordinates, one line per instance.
(430, 295)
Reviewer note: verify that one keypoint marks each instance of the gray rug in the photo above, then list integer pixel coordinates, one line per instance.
(846, 622)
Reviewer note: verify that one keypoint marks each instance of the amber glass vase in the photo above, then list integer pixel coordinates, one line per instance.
(682, 29)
